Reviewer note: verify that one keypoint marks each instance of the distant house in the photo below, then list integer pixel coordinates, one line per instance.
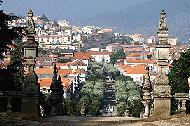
(136, 72)
(70, 78)
(99, 56)
(74, 65)
(82, 56)
(45, 84)
(67, 52)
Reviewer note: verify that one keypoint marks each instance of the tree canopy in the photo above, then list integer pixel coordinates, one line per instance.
(179, 73)
(128, 95)
(7, 35)
(44, 18)
(120, 54)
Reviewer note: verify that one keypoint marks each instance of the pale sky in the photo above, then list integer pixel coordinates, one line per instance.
(69, 9)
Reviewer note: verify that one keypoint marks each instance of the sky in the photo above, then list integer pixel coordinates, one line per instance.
(68, 9)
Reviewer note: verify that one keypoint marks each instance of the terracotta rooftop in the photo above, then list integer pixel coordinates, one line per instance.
(46, 82)
(99, 53)
(136, 70)
(141, 61)
(82, 55)
(63, 72)
(44, 70)
(73, 63)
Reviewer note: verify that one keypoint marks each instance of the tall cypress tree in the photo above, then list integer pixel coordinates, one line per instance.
(6, 34)
(16, 67)
(10, 77)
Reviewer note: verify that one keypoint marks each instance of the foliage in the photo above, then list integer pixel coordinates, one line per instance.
(16, 67)
(101, 71)
(134, 98)
(128, 93)
(44, 18)
(121, 91)
(124, 78)
(179, 73)
(12, 77)
(120, 54)
(7, 35)
(72, 107)
(91, 96)
(121, 108)
(122, 40)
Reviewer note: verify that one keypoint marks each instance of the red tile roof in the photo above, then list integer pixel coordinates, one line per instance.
(141, 61)
(46, 82)
(82, 55)
(99, 53)
(136, 70)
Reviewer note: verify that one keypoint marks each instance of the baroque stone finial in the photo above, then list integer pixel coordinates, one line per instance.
(147, 79)
(30, 30)
(163, 29)
(30, 13)
(163, 23)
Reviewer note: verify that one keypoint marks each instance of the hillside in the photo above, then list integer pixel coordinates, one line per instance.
(144, 18)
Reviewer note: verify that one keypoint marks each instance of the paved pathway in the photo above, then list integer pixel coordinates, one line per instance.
(87, 121)
(98, 121)
(109, 106)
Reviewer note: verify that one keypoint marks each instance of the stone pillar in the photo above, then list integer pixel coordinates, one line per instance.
(146, 110)
(146, 94)
(31, 88)
(183, 105)
(162, 90)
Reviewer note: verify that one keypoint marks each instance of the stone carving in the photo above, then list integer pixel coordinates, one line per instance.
(30, 30)
(162, 79)
(163, 30)
(146, 94)
(163, 23)
(162, 91)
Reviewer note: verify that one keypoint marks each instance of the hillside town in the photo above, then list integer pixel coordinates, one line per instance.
(89, 71)
(62, 44)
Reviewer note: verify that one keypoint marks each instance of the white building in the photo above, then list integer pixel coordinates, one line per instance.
(172, 41)
(63, 23)
(99, 56)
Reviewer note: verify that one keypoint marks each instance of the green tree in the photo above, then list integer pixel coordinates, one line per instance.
(72, 107)
(121, 96)
(179, 73)
(128, 93)
(7, 35)
(134, 98)
(91, 96)
(120, 54)
(44, 18)
(16, 67)
(9, 78)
